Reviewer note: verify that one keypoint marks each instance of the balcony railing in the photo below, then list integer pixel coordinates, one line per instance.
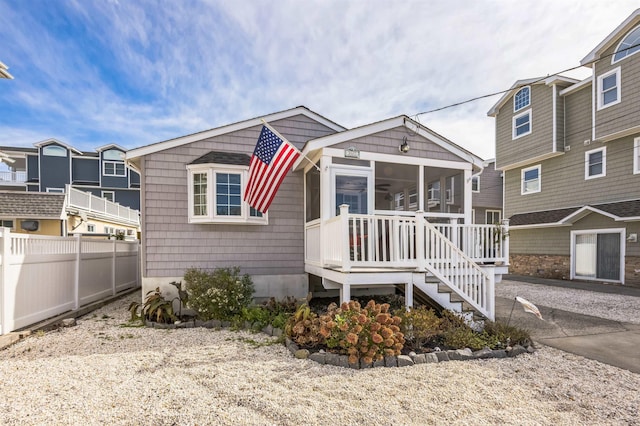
(88, 202)
(12, 178)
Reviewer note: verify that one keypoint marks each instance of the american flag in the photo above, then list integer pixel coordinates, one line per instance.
(270, 161)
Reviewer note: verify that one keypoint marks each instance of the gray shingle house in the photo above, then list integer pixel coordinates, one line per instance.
(570, 154)
(376, 207)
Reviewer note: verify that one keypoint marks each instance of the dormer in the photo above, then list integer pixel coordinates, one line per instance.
(529, 121)
(54, 164)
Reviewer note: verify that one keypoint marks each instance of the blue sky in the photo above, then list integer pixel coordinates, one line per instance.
(135, 72)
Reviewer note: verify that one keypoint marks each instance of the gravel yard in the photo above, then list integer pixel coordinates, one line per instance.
(100, 372)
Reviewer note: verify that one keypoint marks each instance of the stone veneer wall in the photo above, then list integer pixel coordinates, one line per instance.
(540, 265)
(559, 267)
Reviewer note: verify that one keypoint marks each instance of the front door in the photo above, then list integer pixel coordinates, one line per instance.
(352, 187)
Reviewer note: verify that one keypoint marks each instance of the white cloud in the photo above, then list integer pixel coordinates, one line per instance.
(140, 72)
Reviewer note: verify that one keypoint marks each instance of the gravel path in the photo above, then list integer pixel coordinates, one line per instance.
(101, 372)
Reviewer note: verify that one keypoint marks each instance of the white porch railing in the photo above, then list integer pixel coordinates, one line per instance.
(89, 202)
(43, 276)
(354, 242)
(9, 178)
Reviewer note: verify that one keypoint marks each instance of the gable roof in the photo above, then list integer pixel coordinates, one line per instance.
(618, 211)
(110, 146)
(612, 38)
(549, 80)
(31, 205)
(172, 143)
(56, 141)
(388, 124)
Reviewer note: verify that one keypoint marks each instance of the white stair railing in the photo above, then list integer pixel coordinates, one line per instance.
(458, 271)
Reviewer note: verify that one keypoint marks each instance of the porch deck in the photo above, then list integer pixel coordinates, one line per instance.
(406, 248)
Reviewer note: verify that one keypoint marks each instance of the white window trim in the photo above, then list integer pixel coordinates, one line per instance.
(212, 217)
(600, 99)
(572, 253)
(115, 169)
(477, 178)
(613, 57)
(113, 195)
(636, 156)
(91, 227)
(55, 190)
(499, 212)
(513, 127)
(523, 106)
(604, 163)
(522, 172)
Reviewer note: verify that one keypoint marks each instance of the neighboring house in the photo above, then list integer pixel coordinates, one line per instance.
(487, 195)
(52, 165)
(102, 194)
(383, 205)
(570, 153)
(72, 213)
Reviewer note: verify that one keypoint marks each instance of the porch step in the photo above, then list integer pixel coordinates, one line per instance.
(441, 297)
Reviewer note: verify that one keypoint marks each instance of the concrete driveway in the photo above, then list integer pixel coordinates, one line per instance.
(612, 342)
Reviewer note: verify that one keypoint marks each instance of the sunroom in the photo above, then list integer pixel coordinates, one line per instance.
(390, 204)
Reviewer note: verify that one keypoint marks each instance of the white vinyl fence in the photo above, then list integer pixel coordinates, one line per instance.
(41, 276)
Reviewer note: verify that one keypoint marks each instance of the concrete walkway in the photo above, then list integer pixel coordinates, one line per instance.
(611, 342)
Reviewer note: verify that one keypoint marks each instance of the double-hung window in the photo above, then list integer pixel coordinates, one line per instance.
(522, 124)
(531, 180)
(113, 168)
(609, 89)
(595, 163)
(216, 195)
(475, 184)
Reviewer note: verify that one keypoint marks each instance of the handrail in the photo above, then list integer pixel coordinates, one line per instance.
(88, 201)
(459, 272)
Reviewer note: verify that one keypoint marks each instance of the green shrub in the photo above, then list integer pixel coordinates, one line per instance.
(419, 325)
(507, 334)
(220, 295)
(156, 308)
(304, 326)
(466, 337)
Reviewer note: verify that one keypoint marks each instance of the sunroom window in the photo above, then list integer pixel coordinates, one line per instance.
(215, 195)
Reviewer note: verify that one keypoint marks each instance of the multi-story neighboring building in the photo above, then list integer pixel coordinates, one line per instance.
(570, 154)
(98, 184)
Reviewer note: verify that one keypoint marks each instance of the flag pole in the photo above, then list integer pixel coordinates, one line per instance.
(285, 139)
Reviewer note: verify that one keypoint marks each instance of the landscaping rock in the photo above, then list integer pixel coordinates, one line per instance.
(291, 346)
(268, 330)
(225, 324)
(531, 349)
(199, 323)
(318, 357)
(453, 355)
(332, 359)
(301, 354)
(517, 350)
(499, 353)
(483, 353)
(431, 357)
(364, 365)
(442, 356)
(354, 366)
(419, 359)
(68, 322)
(277, 332)
(464, 353)
(404, 361)
(378, 363)
(390, 361)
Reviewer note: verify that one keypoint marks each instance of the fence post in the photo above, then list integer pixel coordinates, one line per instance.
(113, 267)
(76, 285)
(5, 250)
(505, 240)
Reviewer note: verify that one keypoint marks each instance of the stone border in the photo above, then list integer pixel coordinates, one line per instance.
(329, 358)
